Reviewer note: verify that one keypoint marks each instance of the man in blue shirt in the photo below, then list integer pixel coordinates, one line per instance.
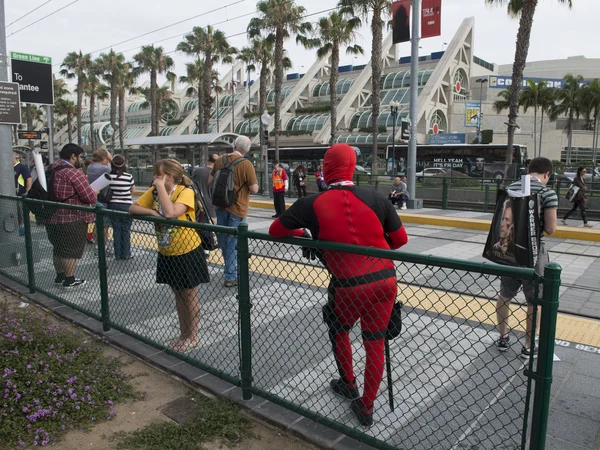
(23, 183)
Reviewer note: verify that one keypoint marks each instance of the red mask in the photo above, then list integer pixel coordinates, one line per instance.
(339, 163)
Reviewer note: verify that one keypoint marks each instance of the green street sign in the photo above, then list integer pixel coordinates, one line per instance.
(31, 58)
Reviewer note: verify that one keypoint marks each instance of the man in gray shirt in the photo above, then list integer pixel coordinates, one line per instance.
(399, 192)
(200, 179)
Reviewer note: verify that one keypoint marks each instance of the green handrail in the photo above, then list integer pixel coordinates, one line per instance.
(245, 310)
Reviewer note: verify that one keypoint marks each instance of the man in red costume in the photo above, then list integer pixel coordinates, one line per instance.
(361, 287)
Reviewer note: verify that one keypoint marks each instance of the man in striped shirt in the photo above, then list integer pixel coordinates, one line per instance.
(540, 170)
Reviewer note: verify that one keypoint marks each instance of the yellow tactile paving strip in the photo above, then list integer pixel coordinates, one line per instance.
(569, 328)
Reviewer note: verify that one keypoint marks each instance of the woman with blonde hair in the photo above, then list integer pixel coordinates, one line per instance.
(181, 262)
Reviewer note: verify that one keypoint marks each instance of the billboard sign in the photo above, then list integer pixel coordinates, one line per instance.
(10, 105)
(401, 21)
(502, 82)
(431, 18)
(472, 113)
(34, 75)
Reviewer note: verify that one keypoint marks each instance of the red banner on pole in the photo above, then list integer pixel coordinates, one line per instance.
(431, 18)
(401, 21)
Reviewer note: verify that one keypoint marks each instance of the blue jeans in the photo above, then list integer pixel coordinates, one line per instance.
(228, 242)
(121, 231)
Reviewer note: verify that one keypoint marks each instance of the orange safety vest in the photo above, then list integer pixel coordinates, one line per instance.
(278, 182)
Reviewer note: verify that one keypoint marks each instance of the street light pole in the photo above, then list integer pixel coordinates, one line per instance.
(414, 100)
(480, 81)
(265, 120)
(394, 112)
(7, 179)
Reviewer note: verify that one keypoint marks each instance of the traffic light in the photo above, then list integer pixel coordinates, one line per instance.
(265, 137)
(44, 145)
(405, 130)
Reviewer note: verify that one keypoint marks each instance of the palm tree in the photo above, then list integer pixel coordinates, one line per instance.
(194, 77)
(335, 31)
(568, 102)
(280, 18)
(546, 104)
(33, 116)
(248, 57)
(154, 61)
(111, 66)
(211, 46)
(374, 9)
(530, 98)
(164, 100)
(75, 65)
(66, 108)
(127, 80)
(95, 90)
(526, 10)
(60, 90)
(590, 99)
(504, 102)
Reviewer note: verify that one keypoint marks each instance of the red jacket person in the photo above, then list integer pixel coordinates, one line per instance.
(361, 287)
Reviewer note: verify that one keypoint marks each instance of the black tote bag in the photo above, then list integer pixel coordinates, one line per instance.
(514, 236)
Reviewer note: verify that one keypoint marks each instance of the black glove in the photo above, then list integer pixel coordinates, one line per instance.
(308, 253)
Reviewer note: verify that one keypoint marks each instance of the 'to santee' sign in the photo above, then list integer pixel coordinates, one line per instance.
(34, 75)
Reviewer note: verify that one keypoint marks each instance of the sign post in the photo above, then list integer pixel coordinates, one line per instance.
(10, 104)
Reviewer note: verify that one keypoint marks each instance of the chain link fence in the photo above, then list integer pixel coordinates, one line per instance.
(444, 383)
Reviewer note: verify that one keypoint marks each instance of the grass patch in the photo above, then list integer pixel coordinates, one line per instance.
(214, 420)
(54, 379)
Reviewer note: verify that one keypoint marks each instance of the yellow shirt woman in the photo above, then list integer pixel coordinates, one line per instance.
(172, 240)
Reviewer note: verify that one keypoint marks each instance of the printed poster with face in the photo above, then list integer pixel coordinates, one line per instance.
(514, 238)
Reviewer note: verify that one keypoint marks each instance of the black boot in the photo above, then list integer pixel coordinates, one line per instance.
(364, 418)
(340, 387)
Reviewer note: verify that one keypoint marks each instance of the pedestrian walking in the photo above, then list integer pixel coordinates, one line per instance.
(66, 228)
(122, 186)
(280, 187)
(540, 170)
(361, 287)
(321, 185)
(23, 182)
(244, 183)
(200, 179)
(300, 181)
(580, 199)
(181, 263)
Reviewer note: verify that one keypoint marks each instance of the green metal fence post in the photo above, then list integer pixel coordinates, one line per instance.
(28, 247)
(444, 193)
(104, 307)
(486, 199)
(245, 307)
(543, 376)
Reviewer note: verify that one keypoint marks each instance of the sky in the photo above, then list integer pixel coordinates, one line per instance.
(97, 25)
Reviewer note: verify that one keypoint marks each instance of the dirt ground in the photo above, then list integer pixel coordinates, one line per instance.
(160, 389)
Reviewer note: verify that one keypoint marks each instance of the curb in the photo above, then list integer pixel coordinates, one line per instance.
(288, 421)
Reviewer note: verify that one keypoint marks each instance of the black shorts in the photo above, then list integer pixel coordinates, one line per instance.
(182, 272)
(67, 239)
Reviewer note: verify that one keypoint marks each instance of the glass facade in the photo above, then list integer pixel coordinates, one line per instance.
(190, 106)
(342, 87)
(385, 138)
(227, 99)
(402, 79)
(138, 106)
(167, 131)
(284, 93)
(307, 123)
(363, 119)
(248, 126)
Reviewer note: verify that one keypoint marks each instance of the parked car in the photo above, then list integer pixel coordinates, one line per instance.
(432, 172)
(362, 170)
(558, 179)
(571, 172)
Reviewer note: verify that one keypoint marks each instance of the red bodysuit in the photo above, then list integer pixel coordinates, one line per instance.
(361, 287)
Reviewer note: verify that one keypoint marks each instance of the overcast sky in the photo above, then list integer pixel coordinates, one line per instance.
(91, 25)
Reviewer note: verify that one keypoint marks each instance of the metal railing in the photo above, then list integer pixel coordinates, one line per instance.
(452, 387)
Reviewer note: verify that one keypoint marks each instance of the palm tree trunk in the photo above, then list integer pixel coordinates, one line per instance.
(570, 137)
(333, 77)
(69, 127)
(122, 118)
(201, 107)
(29, 116)
(153, 102)
(535, 132)
(92, 107)
(523, 36)
(113, 109)
(376, 64)
(595, 139)
(541, 132)
(262, 89)
(207, 91)
(78, 107)
(278, 83)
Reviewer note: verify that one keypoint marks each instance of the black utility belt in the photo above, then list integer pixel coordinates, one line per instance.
(363, 279)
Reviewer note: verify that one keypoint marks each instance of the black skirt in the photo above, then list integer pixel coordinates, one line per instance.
(183, 272)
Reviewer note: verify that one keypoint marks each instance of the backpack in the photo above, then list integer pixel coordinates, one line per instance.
(208, 238)
(105, 195)
(44, 213)
(224, 194)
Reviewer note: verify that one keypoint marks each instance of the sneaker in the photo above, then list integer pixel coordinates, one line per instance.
(230, 283)
(404, 207)
(340, 387)
(274, 216)
(60, 279)
(364, 418)
(73, 283)
(526, 353)
(564, 222)
(503, 343)
(588, 225)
